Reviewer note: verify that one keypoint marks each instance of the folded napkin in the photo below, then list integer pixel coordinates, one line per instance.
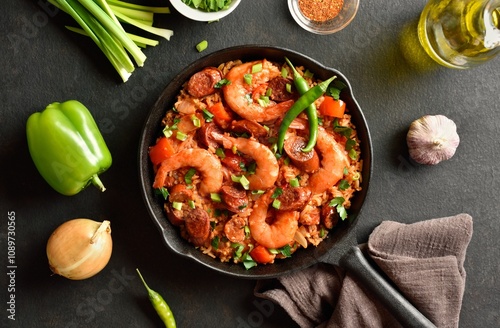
(424, 260)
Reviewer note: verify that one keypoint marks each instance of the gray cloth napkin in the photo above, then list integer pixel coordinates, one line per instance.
(424, 260)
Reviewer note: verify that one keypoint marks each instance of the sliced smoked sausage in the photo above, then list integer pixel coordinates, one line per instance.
(203, 83)
(208, 134)
(279, 92)
(250, 127)
(235, 199)
(180, 193)
(306, 161)
(197, 224)
(329, 216)
(234, 229)
(294, 198)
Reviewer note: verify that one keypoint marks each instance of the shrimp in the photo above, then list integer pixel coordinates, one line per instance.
(267, 168)
(333, 161)
(276, 234)
(239, 94)
(202, 160)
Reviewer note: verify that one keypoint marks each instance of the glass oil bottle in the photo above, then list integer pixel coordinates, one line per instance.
(460, 33)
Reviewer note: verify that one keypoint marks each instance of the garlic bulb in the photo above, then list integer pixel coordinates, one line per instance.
(79, 248)
(432, 139)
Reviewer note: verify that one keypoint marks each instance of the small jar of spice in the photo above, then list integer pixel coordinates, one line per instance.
(320, 10)
(323, 16)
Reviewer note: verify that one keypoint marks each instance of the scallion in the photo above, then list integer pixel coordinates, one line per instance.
(256, 68)
(101, 21)
(188, 177)
(202, 45)
(294, 183)
(248, 79)
(215, 197)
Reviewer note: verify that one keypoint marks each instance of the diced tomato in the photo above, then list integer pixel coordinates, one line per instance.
(161, 151)
(332, 107)
(221, 116)
(261, 255)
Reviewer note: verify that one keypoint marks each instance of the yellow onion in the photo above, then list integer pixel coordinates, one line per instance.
(80, 248)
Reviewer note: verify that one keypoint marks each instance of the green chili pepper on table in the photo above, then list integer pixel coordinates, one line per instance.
(299, 106)
(312, 115)
(159, 305)
(67, 147)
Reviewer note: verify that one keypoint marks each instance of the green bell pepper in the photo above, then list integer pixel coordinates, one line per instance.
(67, 147)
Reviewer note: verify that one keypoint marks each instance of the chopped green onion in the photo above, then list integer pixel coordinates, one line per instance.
(247, 231)
(202, 45)
(264, 101)
(350, 143)
(286, 250)
(238, 249)
(181, 136)
(257, 68)
(276, 204)
(248, 262)
(189, 175)
(191, 204)
(196, 121)
(346, 171)
(356, 176)
(177, 205)
(241, 180)
(308, 74)
(167, 132)
(215, 197)
(248, 79)
(244, 182)
(220, 152)
(215, 242)
(284, 72)
(163, 192)
(288, 87)
(277, 192)
(352, 154)
(294, 182)
(251, 167)
(207, 115)
(222, 83)
(257, 192)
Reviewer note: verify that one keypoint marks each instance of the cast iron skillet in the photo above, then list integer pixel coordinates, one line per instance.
(339, 242)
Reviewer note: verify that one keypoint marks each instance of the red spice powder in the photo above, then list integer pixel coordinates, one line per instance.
(320, 10)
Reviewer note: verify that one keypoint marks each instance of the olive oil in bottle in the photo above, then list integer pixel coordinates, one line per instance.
(460, 33)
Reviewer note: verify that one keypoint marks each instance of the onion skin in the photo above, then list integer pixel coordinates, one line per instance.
(80, 248)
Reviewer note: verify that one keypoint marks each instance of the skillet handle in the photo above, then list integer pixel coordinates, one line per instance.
(407, 315)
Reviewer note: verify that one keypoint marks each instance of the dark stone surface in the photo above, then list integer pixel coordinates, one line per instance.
(42, 62)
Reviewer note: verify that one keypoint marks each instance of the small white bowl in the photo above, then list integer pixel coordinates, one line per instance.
(337, 23)
(200, 15)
